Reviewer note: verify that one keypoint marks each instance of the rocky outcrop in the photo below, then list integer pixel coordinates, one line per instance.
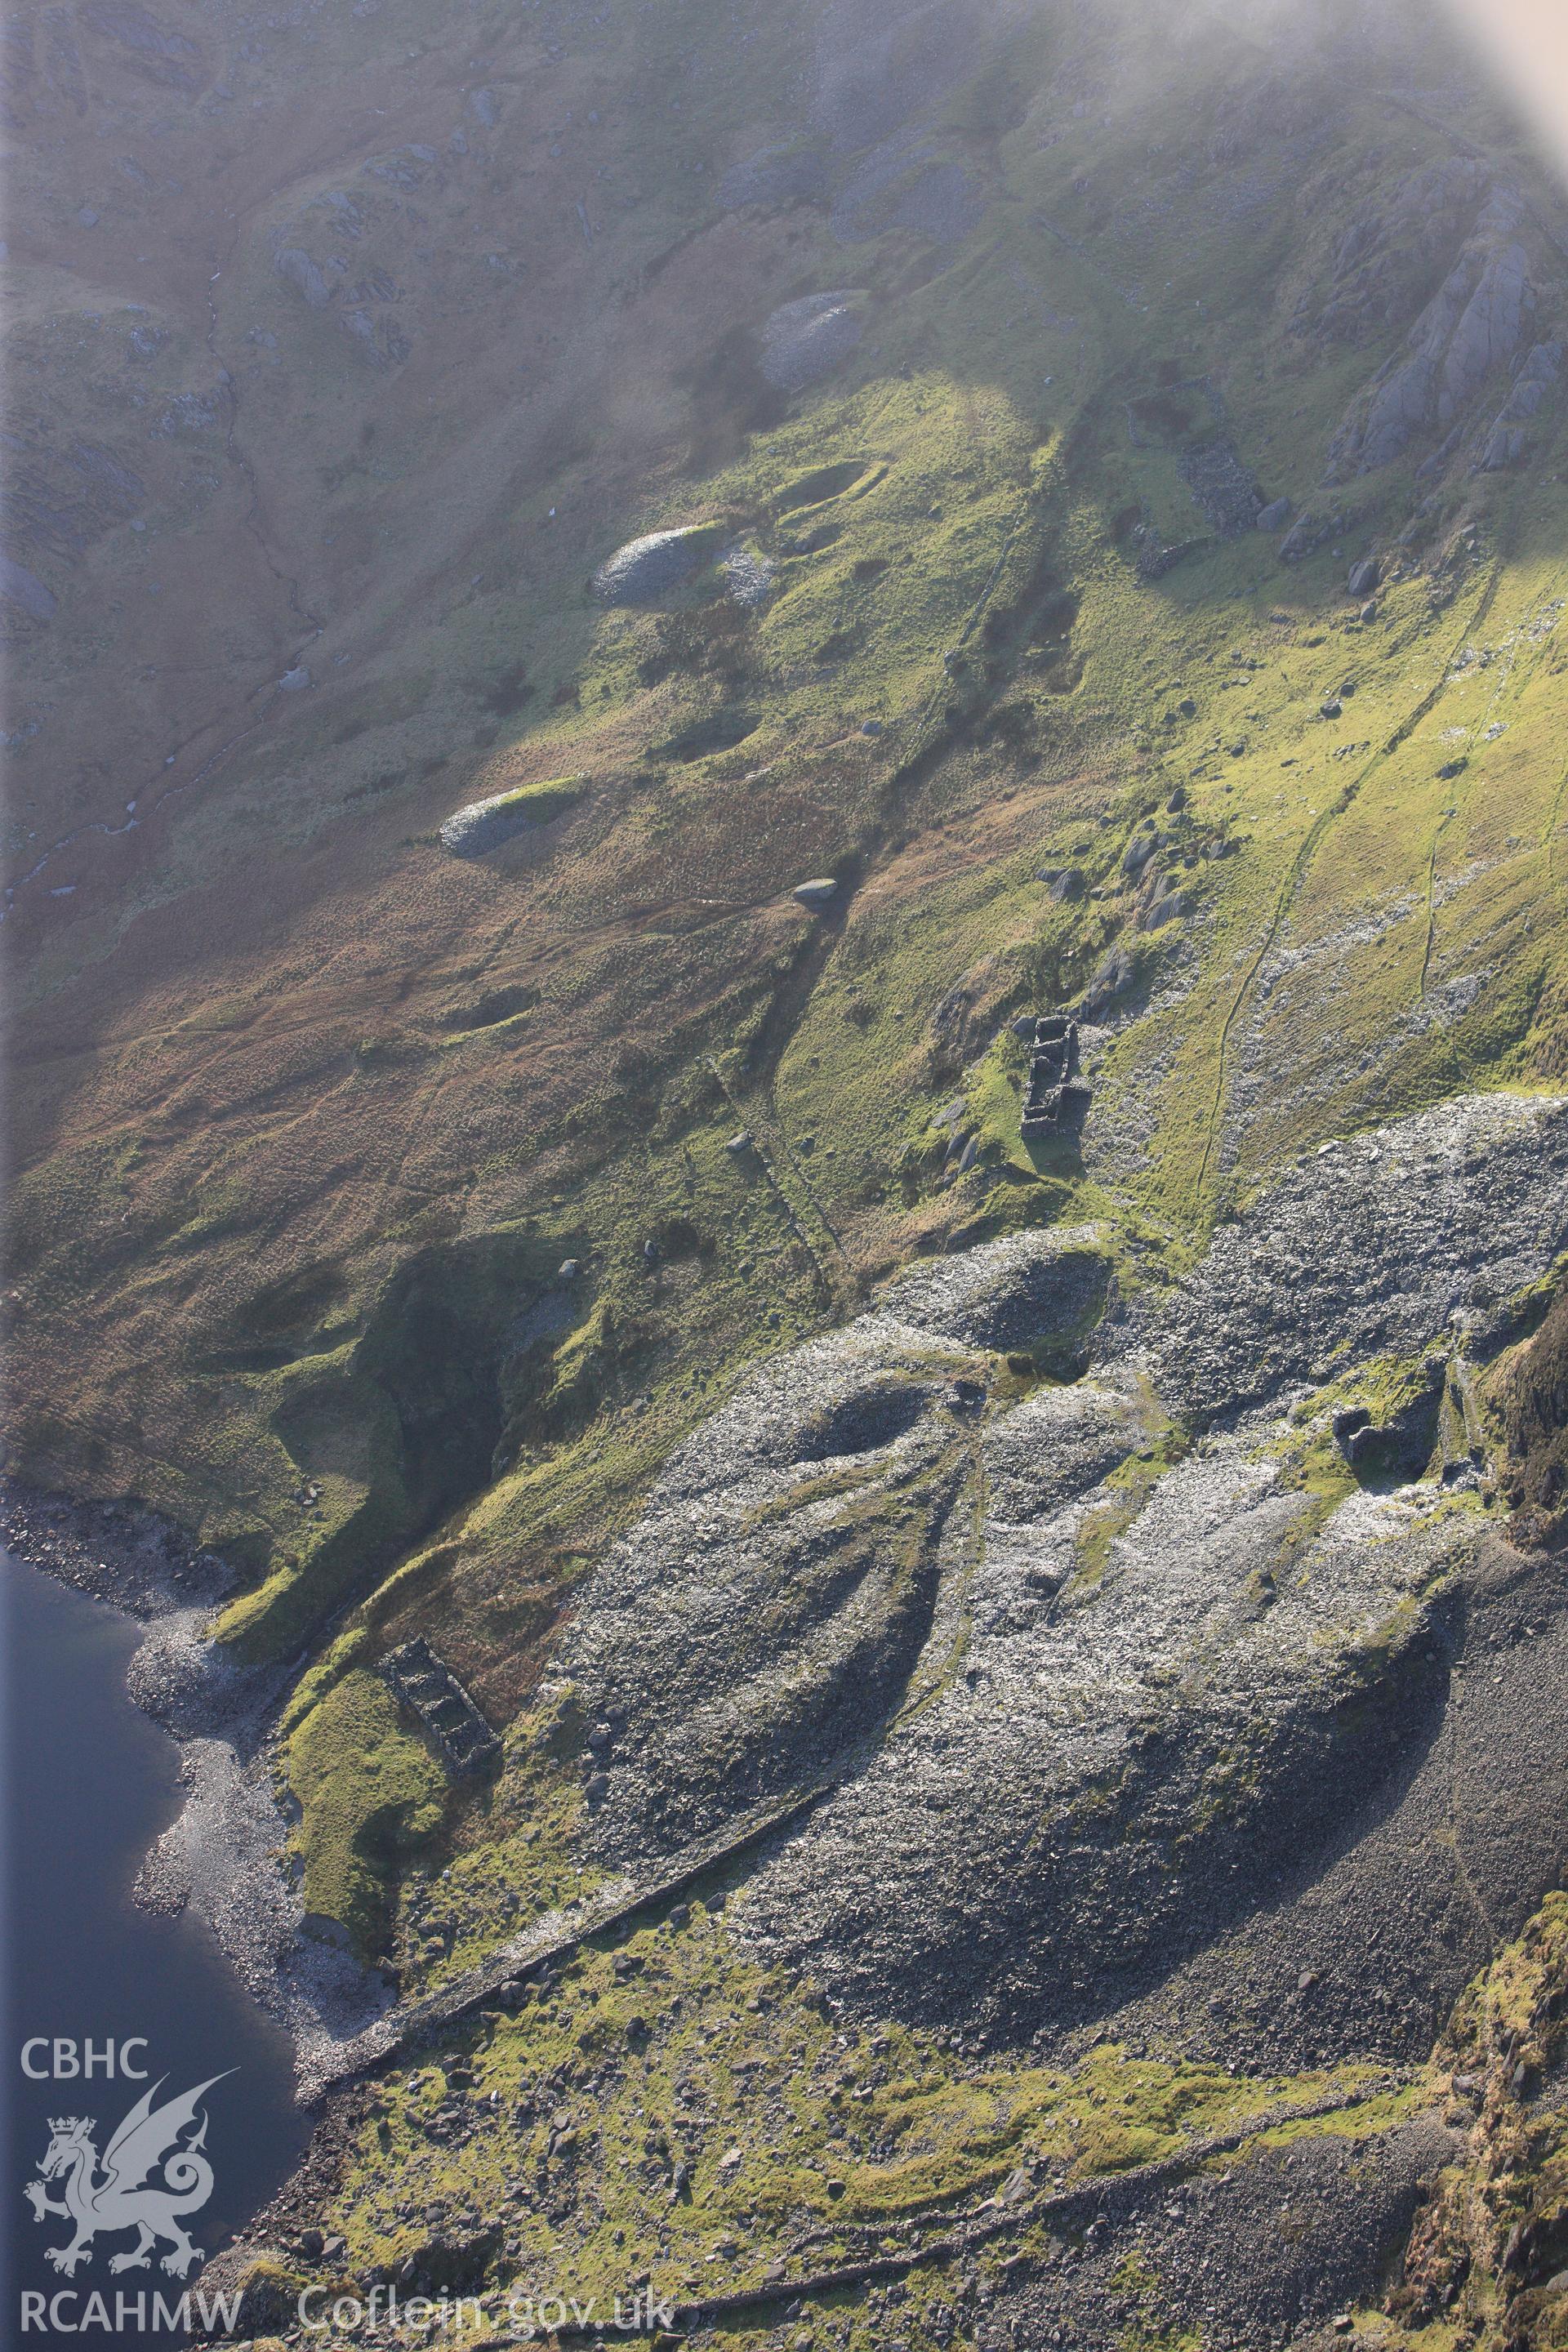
(1090, 1683)
(1471, 327)
(299, 269)
(1534, 386)
(1388, 260)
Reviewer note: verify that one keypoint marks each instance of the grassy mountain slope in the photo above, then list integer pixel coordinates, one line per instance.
(390, 325)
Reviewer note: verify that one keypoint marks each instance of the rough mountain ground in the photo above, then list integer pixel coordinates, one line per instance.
(942, 362)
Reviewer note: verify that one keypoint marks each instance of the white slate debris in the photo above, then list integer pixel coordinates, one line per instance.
(488, 825)
(1083, 1671)
(806, 339)
(748, 577)
(647, 569)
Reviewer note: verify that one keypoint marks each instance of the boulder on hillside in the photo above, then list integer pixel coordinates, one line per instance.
(295, 266)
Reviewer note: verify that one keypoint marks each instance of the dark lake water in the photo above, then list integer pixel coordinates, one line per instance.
(90, 1783)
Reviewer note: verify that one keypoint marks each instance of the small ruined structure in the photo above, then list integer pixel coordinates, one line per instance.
(1056, 1099)
(428, 1686)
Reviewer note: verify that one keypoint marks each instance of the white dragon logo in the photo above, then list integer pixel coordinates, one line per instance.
(125, 2197)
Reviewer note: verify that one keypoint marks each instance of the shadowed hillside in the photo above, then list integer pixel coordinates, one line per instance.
(501, 500)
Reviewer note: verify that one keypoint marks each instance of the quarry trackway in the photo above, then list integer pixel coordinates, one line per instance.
(1072, 2214)
(838, 1491)
(1142, 1604)
(1312, 841)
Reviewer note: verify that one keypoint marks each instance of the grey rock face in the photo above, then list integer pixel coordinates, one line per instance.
(295, 266)
(804, 340)
(1533, 386)
(1472, 324)
(1274, 516)
(646, 569)
(774, 176)
(1388, 258)
(1081, 1706)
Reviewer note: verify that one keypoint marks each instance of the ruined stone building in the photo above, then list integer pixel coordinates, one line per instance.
(430, 1690)
(1056, 1098)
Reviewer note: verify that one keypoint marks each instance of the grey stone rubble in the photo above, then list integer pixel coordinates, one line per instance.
(748, 577)
(1220, 484)
(1119, 1698)
(427, 1686)
(488, 825)
(646, 569)
(804, 340)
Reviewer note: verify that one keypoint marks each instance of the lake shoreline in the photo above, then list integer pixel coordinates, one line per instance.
(222, 1857)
